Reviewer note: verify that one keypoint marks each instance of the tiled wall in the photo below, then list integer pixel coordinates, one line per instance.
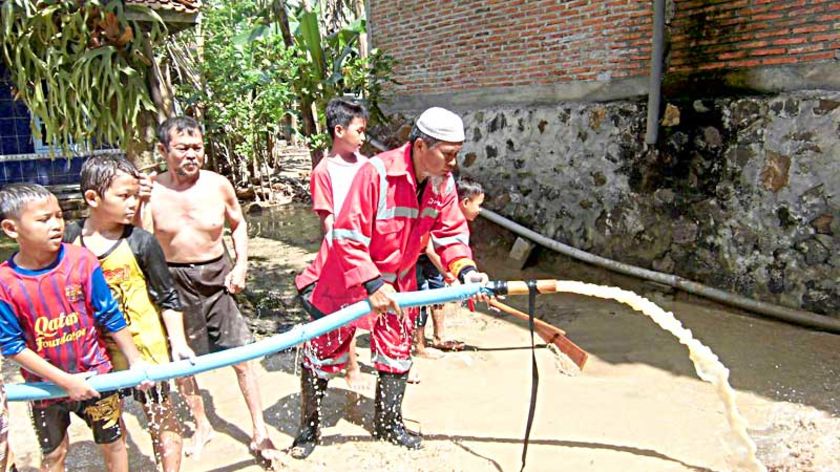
(15, 134)
(18, 159)
(41, 170)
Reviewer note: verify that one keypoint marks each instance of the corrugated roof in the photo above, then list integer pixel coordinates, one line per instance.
(181, 6)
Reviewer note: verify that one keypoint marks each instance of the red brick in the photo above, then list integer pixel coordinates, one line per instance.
(744, 64)
(820, 56)
(806, 48)
(813, 28)
(772, 32)
(788, 41)
(732, 55)
(779, 60)
(767, 16)
(768, 51)
(826, 37)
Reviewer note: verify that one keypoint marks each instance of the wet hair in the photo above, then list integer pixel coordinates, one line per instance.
(417, 134)
(99, 171)
(14, 197)
(468, 188)
(341, 112)
(179, 124)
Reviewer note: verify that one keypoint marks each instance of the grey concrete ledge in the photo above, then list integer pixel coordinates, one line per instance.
(762, 80)
(526, 95)
(759, 80)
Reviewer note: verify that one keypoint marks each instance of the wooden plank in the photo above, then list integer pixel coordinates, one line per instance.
(549, 333)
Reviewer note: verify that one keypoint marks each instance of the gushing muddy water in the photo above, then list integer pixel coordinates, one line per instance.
(707, 364)
(797, 368)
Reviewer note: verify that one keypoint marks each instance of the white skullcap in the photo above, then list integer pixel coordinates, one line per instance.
(441, 124)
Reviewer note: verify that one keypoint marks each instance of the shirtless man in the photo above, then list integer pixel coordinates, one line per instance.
(188, 208)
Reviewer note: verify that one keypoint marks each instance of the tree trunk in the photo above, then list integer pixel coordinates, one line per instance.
(141, 150)
(199, 50)
(159, 87)
(305, 105)
(282, 18)
(359, 10)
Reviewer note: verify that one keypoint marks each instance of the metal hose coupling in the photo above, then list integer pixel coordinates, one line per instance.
(496, 287)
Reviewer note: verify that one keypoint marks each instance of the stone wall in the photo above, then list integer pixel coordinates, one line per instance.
(742, 194)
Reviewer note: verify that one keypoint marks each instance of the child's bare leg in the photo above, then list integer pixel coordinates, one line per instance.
(420, 340)
(421, 350)
(354, 373)
(440, 341)
(54, 461)
(165, 431)
(438, 317)
(116, 456)
(203, 429)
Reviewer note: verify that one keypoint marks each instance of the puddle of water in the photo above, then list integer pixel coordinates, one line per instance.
(293, 224)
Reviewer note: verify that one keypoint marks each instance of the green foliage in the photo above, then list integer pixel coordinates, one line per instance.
(247, 71)
(255, 82)
(81, 67)
(334, 66)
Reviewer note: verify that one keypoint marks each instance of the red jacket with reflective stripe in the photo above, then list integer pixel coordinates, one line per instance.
(381, 230)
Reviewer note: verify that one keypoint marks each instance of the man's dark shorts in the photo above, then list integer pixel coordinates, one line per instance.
(212, 321)
(428, 278)
(102, 416)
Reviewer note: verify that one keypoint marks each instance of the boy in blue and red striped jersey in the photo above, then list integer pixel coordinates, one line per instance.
(55, 307)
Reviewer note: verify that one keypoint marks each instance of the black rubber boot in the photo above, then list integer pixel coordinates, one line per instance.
(312, 391)
(387, 421)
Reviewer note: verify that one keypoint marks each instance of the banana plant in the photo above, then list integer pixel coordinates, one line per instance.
(81, 67)
(332, 65)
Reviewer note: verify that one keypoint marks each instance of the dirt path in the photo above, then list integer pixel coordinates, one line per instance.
(637, 406)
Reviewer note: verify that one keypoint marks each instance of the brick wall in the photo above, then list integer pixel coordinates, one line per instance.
(711, 35)
(451, 45)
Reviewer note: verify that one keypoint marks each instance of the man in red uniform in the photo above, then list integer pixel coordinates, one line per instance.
(397, 202)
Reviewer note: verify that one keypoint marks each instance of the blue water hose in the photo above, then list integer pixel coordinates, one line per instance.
(297, 335)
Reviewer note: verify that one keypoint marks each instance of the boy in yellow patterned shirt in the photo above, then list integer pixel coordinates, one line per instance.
(135, 270)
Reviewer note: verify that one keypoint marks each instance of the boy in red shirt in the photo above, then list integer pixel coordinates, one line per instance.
(329, 184)
(7, 461)
(55, 308)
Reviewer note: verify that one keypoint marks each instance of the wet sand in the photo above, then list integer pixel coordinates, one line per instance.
(637, 406)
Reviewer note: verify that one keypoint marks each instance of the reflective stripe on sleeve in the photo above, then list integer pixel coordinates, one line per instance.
(460, 238)
(353, 235)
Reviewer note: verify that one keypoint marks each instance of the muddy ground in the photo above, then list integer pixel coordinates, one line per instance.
(637, 406)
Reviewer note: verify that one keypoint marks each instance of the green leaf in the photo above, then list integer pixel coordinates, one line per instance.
(311, 35)
(8, 13)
